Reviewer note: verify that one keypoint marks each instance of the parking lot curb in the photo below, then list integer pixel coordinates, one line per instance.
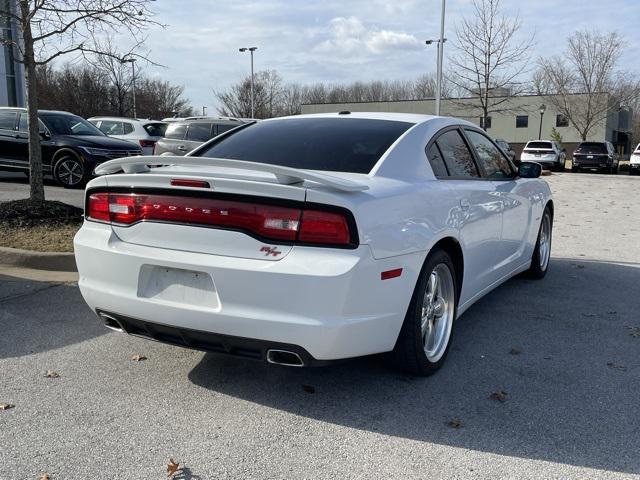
(52, 261)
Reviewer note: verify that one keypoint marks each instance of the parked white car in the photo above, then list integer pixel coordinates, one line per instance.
(144, 133)
(634, 162)
(306, 239)
(548, 153)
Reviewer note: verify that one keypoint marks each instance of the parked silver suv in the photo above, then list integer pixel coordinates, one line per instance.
(183, 136)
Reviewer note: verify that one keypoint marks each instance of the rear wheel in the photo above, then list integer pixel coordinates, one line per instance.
(425, 337)
(542, 252)
(70, 172)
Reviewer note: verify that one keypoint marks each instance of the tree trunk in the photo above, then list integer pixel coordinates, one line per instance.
(35, 153)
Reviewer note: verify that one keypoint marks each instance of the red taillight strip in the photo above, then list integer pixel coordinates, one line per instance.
(277, 223)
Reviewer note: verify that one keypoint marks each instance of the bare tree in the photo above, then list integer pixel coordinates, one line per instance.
(489, 58)
(53, 28)
(587, 67)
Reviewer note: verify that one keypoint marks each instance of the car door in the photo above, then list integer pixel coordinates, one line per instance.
(513, 194)
(477, 217)
(9, 139)
(47, 144)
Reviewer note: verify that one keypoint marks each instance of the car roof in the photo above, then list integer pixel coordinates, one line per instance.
(127, 119)
(22, 109)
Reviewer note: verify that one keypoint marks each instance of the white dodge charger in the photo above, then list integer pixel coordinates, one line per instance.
(313, 238)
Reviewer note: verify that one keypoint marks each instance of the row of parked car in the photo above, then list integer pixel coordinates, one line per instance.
(72, 147)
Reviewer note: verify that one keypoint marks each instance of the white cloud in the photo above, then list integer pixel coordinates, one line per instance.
(348, 35)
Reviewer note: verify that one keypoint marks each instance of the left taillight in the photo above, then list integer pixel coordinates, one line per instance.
(271, 222)
(147, 143)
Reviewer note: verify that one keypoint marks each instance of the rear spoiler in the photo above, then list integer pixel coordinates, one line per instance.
(284, 175)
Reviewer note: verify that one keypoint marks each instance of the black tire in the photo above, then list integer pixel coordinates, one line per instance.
(538, 268)
(409, 352)
(70, 172)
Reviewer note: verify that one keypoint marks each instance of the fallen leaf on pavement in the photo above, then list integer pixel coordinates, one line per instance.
(6, 406)
(455, 423)
(635, 332)
(308, 389)
(499, 396)
(172, 467)
(52, 374)
(616, 366)
(515, 351)
(44, 476)
(138, 358)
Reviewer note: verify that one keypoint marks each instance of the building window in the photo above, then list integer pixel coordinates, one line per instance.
(522, 121)
(562, 121)
(485, 123)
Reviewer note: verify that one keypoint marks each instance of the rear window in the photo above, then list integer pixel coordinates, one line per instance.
(539, 145)
(592, 148)
(155, 129)
(176, 131)
(331, 144)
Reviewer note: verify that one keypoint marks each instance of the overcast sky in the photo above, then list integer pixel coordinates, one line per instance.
(309, 41)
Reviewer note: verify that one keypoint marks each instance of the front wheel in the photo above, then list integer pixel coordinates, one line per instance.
(542, 251)
(425, 337)
(70, 172)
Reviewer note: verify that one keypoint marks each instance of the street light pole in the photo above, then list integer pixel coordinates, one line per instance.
(132, 61)
(251, 50)
(440, 55)
(543, 107)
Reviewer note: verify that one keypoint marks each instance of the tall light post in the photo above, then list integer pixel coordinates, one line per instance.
(251, 50)
(440, 43)
(543, 107)
(132, 61)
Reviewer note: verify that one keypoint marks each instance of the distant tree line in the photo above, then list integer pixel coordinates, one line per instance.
(91, 89)
(274, 97)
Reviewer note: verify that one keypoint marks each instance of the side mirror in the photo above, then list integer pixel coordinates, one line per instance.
(44, 135)
(529, 170)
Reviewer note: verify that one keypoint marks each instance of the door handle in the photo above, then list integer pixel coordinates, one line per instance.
(182, 148)
(464, 204)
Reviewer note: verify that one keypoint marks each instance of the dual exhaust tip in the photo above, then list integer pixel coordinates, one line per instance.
(274, 356)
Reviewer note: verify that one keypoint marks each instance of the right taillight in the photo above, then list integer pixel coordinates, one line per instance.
(277, 223)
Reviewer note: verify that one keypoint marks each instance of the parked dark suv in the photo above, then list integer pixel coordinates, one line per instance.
(71, 146)
(595, 156)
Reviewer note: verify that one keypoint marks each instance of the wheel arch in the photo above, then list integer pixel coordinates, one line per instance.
(452, 246)
(62, 151)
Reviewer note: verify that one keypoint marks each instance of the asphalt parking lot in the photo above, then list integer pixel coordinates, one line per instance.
(566, 350)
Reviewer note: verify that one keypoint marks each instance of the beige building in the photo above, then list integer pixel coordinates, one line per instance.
(519, 123)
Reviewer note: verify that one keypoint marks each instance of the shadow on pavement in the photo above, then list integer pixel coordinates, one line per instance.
(564, 403)
(40, 316)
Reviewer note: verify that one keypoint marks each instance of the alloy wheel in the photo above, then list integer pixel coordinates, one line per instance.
(437, 312)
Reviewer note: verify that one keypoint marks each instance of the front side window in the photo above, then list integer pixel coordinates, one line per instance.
(23, 126)
(110, 127)
(60, 124)
(329, 144)
(175, 131)
(492, 160)
(456, 155)
(436, 161)
(522, 121)
(8, 120)
(199, 132)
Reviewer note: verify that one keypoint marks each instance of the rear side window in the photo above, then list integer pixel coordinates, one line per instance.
(176, 131)
(199, 132)
(330, 144)
(155, 129)
(492, 160)
(436, 161)
(223, 127)
(456, 155)
(128, 128)
(111, 128)
(8, 120)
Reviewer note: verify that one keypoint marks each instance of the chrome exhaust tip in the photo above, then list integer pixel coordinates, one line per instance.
(284, 357)
(110, 322)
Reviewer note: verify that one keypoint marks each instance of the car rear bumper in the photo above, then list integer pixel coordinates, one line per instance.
(331, 303)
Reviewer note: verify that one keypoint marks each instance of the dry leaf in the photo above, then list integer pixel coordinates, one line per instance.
(6, 406)
(499, 396)
(455, 423)
(52, 374)
(44, 476)
(138, 358)
(635, 332)
(172, 467)
(616, 366)
(515, 351)
(308, 389)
